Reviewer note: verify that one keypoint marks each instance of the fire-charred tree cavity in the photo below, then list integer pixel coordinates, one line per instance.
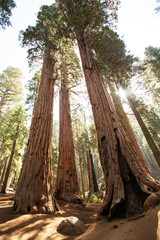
(34, 192)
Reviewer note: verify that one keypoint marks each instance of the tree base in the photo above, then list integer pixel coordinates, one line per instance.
(44, 207)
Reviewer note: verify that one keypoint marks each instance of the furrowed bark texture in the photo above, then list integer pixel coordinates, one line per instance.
(127, 181)
(145, 131)
(125, 123)
(93, 186)
(34, 189)
(67, 181)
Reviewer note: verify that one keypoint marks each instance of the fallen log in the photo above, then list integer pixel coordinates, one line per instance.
(7, 198)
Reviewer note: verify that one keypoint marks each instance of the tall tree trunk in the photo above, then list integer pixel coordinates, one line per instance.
(145, 131)
(127, 181)
(34, 189)
(67, 181)
(93, 186)
(125, 122)
(4, 186)
(4, 170)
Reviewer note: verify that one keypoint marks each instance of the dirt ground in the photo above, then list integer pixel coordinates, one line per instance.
(43, 226)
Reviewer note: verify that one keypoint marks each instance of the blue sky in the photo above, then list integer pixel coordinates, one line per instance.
(138, 24)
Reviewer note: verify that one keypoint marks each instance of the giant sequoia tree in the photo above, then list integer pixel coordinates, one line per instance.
(127, 182)
(34, 189)
(117, 68)
(67, 181)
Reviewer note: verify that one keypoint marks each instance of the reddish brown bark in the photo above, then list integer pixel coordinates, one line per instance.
(126, 179)
(126, 124)
(34, 189)
(67, 181)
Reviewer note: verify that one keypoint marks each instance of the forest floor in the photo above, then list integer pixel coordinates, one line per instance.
(43, 226)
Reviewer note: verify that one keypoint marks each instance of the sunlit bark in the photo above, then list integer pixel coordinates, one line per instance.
(127, 181)
(34, 189)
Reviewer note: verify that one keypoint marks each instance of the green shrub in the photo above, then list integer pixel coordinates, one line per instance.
(94, 199)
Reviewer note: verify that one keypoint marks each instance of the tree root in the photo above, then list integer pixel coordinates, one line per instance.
(34, 209)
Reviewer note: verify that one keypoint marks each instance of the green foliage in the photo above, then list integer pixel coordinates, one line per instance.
(6, 7)
(95, 199)
(85, 138)
(80, 140)
(152, 60)
(85, 15)
(8, 133)
(67, 53)
(151, 119)
(11, 89)
(43, 36)
(55, 150)
(116, 64)
(150, 73)
(32, 87)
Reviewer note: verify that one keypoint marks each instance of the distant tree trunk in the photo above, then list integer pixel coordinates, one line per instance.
(4, 186)
(145, 131)
(10, 178)
(67, 181)
(3, 172)
(1, 168)
(80, 162)
(93, 186)
(34, 188)
(126, 179)
(150, 160)
(2, 102)
(125, 123)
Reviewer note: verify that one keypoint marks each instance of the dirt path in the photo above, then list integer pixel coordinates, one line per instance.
(43, 226)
